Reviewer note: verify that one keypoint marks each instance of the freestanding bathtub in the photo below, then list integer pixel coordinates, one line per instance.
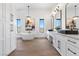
(27, 36)
(31, 35)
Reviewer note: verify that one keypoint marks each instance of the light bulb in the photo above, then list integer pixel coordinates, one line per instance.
(75, 18)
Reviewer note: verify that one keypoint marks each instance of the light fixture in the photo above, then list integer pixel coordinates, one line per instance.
(75, 17)
(58, 8)
(28, 17)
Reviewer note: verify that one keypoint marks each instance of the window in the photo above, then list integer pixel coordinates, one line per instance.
(19, 23)
(57, 24)
(41, 25)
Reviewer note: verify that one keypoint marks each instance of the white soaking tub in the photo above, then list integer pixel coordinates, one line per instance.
(27, 35)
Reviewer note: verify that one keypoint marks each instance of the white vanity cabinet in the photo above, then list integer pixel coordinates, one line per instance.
(72, 50)
(54, 40)
(61, 44)
(66, 45)
(72, 46)
(52, 34)
(73, 41)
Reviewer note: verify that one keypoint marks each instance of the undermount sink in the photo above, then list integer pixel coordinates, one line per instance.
(67, 31)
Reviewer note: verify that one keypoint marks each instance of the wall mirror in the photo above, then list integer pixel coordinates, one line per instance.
(72, 16)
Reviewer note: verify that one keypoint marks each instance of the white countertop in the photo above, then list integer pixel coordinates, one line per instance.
(68, 35)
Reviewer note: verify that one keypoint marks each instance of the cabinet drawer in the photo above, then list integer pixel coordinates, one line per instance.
(72, 51)
(73, 42)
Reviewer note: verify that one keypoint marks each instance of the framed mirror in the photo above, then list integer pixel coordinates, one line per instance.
(72, 10)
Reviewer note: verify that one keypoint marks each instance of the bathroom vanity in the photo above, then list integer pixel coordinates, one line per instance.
(65, 44)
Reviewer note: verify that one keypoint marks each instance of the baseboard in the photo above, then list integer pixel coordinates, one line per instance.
(40, 38)
(11, 52)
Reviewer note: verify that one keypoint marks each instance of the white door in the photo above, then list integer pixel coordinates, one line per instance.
(7, 37)
(7, 30)
(12, 32)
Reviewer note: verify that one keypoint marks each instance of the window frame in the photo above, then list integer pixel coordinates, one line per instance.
(41, 29)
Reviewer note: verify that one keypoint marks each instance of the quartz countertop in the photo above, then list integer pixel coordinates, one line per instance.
(71, 36)
(74, 36)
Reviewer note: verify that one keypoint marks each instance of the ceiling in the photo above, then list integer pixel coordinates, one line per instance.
(23, 6)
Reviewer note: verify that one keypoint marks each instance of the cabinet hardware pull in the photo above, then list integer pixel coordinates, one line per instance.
(72, 51)
(58, 44)
(72, 41)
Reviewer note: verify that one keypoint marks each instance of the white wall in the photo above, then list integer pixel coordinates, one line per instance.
(36, 14)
